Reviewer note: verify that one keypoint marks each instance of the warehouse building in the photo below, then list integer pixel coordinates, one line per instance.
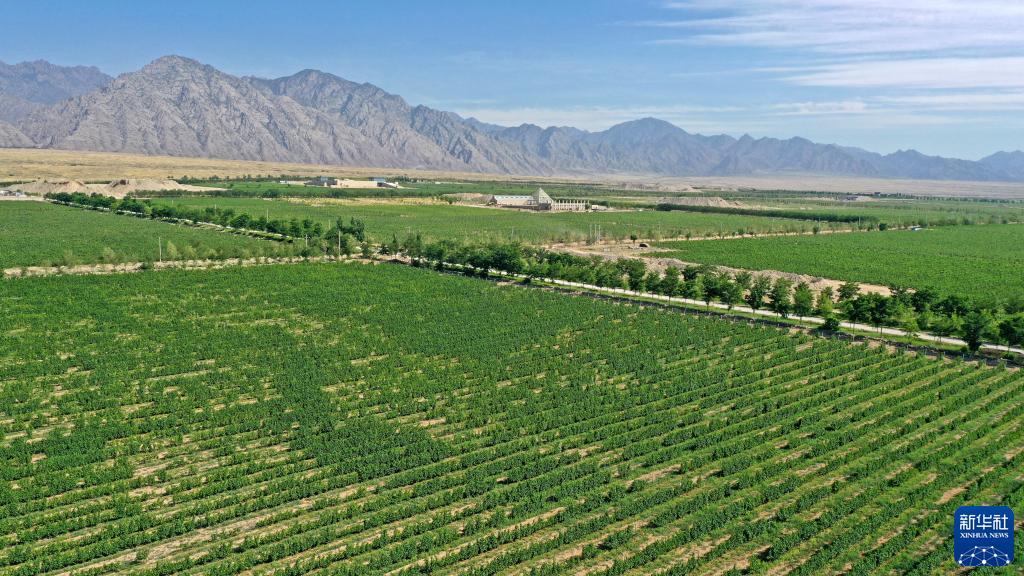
(539, 200)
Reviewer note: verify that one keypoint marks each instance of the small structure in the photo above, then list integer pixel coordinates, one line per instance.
(329, 182)
(539, 201)
(326, 181)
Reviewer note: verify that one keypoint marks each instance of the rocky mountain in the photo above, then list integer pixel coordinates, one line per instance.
(179, 107)
(30, 86)
(11, 137)
(1010, 163)
(421, 136)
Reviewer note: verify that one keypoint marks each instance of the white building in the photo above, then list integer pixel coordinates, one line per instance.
(539, 200)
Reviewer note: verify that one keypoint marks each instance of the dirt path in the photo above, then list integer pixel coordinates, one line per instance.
(655, 262)
(102, 269)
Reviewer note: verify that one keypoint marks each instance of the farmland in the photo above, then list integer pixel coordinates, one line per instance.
(892, 213)
(413, 188)
(980, 261)
(440, 221)
(293, 419)
(37, 233)
(825, 208)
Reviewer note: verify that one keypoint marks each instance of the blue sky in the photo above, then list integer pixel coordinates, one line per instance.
(941, 76)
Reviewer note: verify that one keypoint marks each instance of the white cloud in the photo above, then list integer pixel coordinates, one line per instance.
(972, 101)
(851, 26)
(905, 58)
(822, 108)
(1002, 72)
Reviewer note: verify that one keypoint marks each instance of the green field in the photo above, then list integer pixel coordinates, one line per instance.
(980, 261)
(37, 233)
(356, 419)
(416, 188)
(441, 221)
(894, 212)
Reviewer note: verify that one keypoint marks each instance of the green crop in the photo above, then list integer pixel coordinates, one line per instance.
(358, 419)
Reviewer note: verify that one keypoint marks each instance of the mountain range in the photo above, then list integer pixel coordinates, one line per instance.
(176, 106)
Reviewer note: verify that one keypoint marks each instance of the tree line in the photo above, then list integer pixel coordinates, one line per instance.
(791, 214)
(912, 311)
(342, 238)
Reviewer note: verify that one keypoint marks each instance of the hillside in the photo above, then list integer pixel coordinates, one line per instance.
(180, 107)
(31, 86)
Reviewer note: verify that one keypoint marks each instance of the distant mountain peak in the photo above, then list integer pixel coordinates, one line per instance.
(27, 87)
(1009, 163)
(175, 63)
(179, 106)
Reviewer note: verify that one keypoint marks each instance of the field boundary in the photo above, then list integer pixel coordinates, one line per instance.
(735, 313)
(761, 316)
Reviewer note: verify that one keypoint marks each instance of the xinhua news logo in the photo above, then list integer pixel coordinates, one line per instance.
(983, 536)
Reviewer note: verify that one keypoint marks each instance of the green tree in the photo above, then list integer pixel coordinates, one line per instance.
(848, 291)
(1011, 330)
(711, 282)
(825, 305)
(695, 288)
(923, 299)
(779, 298)
(730, 292)
(803, 300)
(634, 270)
(906, 319)
(652, 281)
(670, 283)
(901, 294)
(743, 279)
(759, 289)
(947, 325)
(978, 326)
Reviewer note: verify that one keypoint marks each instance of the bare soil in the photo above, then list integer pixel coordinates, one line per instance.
(116, 188)
(655, 262)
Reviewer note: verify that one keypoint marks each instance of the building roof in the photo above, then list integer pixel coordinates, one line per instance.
(513, 200)
(541, 197)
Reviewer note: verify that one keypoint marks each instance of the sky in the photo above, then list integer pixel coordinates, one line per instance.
(941, 76)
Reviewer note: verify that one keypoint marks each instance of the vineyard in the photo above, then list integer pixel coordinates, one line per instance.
(441, 221)
(975, 261)
(37, 233)
(359, 419)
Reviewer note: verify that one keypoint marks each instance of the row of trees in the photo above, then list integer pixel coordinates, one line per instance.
(775, 213)
(910, 311)
(342, 238)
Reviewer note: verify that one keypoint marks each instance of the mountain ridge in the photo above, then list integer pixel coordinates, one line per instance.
(30, 86)
(177, 106)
